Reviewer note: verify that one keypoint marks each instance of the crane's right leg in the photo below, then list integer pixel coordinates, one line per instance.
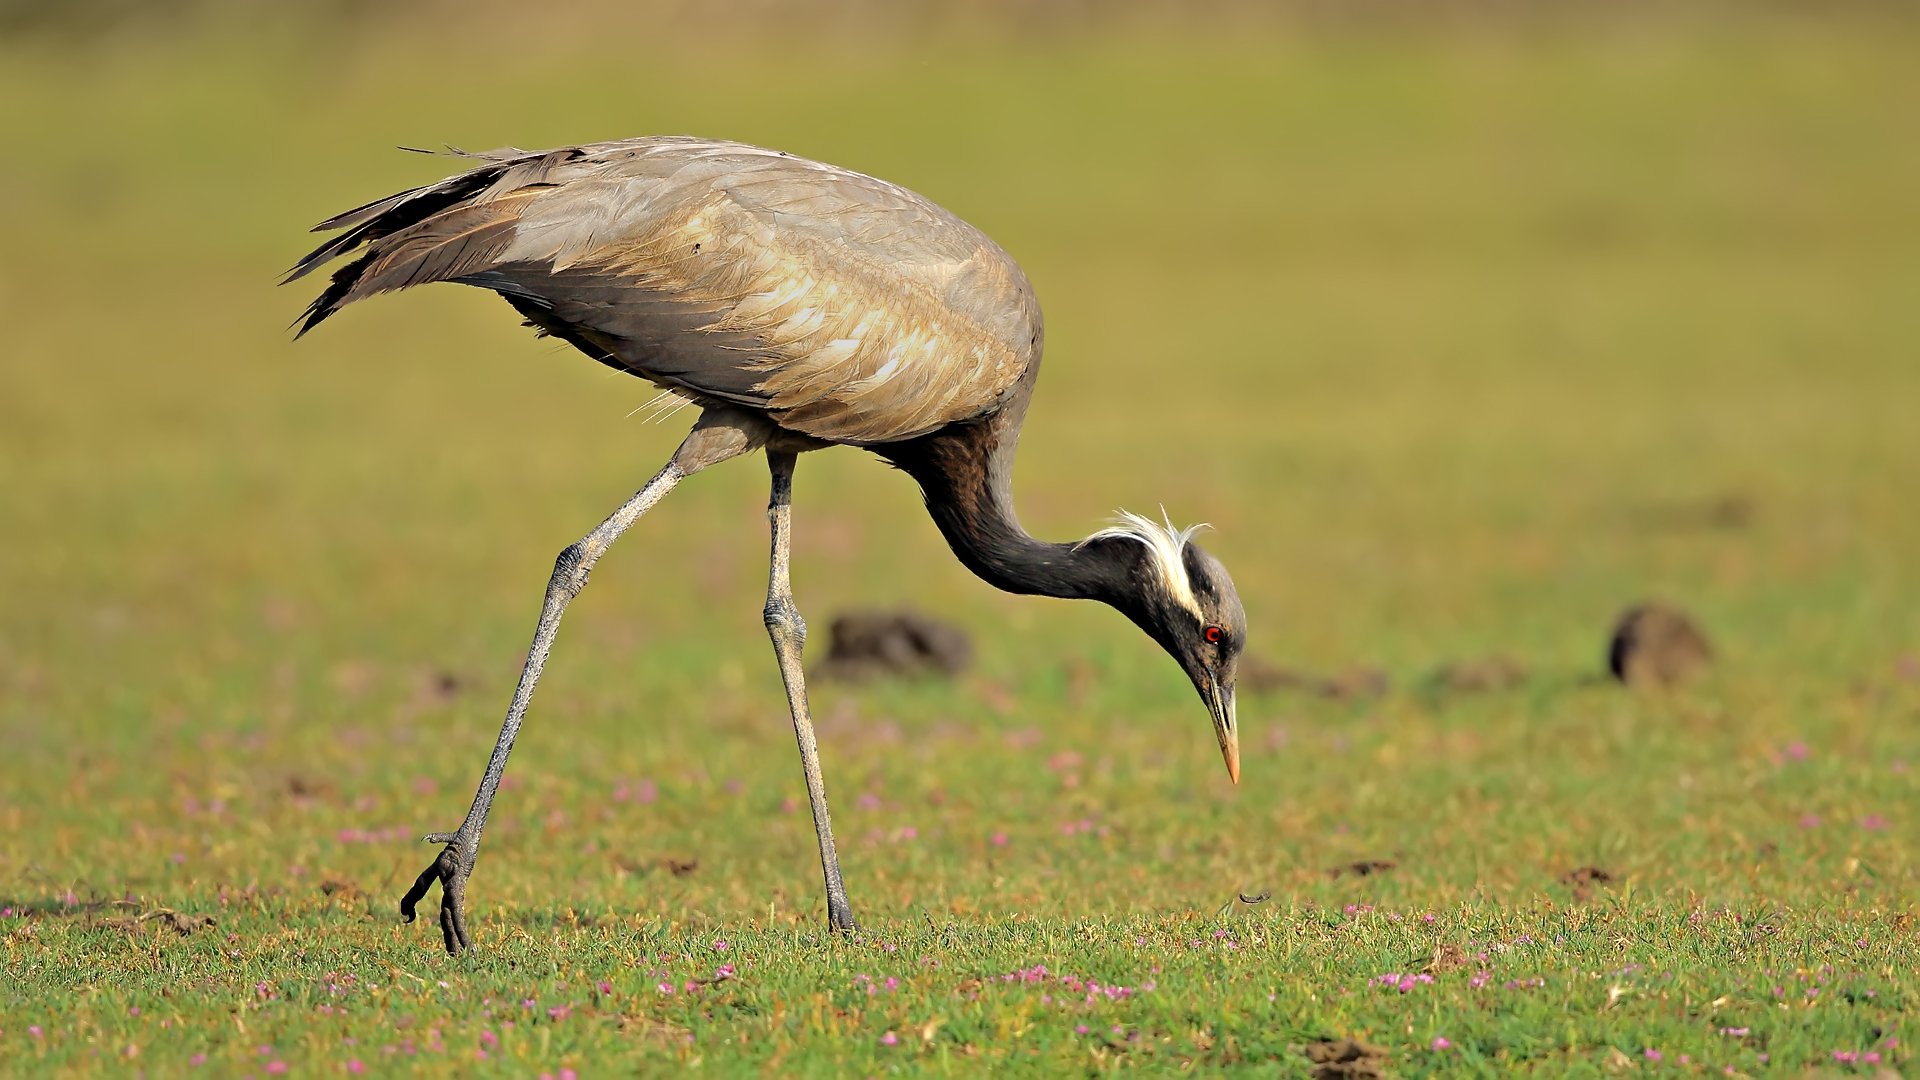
(720, 434)
(789, 633)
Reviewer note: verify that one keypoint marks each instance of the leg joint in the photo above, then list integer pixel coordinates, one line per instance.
(784, 622)
(570, 570)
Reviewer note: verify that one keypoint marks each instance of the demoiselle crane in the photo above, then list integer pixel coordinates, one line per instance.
(801, 306)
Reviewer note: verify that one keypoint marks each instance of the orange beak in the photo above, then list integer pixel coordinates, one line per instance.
(1225, 728)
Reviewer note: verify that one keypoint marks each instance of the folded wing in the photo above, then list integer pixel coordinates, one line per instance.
(845, 307)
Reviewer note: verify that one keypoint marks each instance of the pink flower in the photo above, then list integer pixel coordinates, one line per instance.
(869, 801)
(1440, 1043)
(721, 946)
(1400, 982)
(1653, 1055)
(999, 839)
(1798, 751)
(276, 1067)
(353, 1064)
(1810, 821)
(665, 988)
(1080, 1029)
(1873, 823)
(889, 1039)
(201, 1059)
(489, 1038)
(606, 987)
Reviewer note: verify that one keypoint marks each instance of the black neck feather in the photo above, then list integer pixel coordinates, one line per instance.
(965, 472)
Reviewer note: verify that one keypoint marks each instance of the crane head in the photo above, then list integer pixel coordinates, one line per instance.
(1185, 600)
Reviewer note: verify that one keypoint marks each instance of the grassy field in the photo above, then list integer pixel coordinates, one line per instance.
(1463, 338)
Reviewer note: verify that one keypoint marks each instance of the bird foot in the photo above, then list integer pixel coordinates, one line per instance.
(840, 917)
(451, 869)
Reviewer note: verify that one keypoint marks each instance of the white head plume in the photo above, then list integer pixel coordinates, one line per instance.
(1165, 546)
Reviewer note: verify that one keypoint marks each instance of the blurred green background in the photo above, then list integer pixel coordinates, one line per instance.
(1465, 327)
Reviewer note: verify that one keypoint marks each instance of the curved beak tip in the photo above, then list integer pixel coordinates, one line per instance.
(1225, 726)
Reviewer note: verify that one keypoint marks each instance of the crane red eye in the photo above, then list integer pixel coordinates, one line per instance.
(1212, 634)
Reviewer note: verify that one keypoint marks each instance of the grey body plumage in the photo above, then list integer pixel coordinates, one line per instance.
(801, 306)
(844, 307)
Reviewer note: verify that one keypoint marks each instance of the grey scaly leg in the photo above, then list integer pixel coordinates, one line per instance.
(789, 633)
(719, 435)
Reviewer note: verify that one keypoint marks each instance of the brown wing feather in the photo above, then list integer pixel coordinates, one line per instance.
(847, 308)
(446, 246)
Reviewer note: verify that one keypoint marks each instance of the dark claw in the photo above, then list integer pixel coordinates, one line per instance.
(446, 870)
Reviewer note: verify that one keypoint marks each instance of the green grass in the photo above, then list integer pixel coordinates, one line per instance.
(1449, 332)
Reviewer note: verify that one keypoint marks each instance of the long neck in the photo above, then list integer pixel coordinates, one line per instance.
(965, 472)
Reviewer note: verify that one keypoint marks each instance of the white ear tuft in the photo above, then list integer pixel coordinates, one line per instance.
(1166, 545)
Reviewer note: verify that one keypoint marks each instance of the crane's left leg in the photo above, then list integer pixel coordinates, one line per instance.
(789, 633)
(719, 435)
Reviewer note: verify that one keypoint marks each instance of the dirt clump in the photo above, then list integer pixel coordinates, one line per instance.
(1655, 645)
(1486, 675)
(1336, 1059)
(863, 645)
(1729, 512)
(310, 787)
(1583, 880)
(1263, 677)
(658, 1032)
(1363, 868)
(1446, 958)
(179, 923)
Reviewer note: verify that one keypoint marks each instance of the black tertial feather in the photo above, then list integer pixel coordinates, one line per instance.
(444, 247)
(384, 217)
(456, 226)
